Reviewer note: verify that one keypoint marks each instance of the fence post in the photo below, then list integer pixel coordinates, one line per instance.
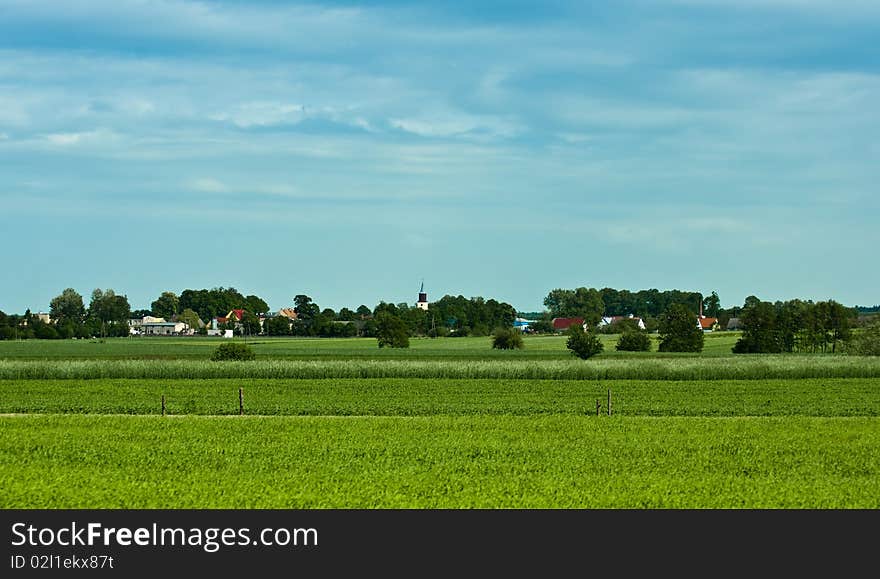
(163, 405)
(240, 401)
(609, 402)
(598, 407)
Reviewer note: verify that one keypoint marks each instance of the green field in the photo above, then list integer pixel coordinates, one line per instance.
(449, 423)
(170, 348)
(553, 461)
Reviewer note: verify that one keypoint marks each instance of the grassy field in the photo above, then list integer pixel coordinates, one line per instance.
(553, 461)
(470, 348)
(449, 423)
(425, 397)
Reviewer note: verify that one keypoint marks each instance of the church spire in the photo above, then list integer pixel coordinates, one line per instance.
(423, 297)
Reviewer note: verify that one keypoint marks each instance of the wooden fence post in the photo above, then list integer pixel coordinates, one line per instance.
(163, 405)
(609, 402)
(598, 407)
(240, 401)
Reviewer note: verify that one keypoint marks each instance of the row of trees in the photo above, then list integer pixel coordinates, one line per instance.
(449, 316)
(591, 303)
(794, 326)
(106, 315)
(678, 333)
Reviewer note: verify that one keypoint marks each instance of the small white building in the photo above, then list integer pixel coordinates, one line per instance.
(136, 325)
(222, 333)
(165, 329)
(608, 320)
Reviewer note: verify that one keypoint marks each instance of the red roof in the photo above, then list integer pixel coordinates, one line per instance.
(565, 323)
(221, 320)
(237, 314)
(706, 323)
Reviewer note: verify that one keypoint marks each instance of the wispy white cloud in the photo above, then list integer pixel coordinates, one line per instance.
(96, 136)
(262, 114)
(208, 185)
(449, 124)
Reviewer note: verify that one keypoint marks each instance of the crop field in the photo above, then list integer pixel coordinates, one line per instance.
(449, 423)
(194, 348)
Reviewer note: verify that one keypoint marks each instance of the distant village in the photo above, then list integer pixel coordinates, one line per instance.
(793, 325)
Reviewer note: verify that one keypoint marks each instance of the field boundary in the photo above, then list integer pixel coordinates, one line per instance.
(760, 367)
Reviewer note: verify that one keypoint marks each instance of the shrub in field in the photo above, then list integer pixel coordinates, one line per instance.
(391, 331)
(233, 351)
(507, 339)
(867, 343)
(679, 331)
(634, 341)
(583, 344)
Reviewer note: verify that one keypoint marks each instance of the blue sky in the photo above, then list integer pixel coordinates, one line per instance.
(349, 150)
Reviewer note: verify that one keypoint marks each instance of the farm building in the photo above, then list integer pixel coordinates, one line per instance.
(289, 313)
(165, 329)
(522, 324)
(708, 324)
(562, 324)
(608, 320)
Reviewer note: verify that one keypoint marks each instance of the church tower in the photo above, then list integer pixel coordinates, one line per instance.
(423, 298)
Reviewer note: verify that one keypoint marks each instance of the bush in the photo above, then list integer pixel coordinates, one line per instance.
(233, 351)
(583, 344)
(391, 331)
(507, 339)
(679, 331)
(634, 341)
(867, 342)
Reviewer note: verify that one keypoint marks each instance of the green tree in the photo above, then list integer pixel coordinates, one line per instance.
(233, 351)
(634, 341)
(759, 326)
(391, 331)
(712, 305)
(582, 343)
(836, 323)
(507, 339)
(255, 304)
(166, 305)
(67, 307)
(277, 326)
(304, 307)
(543, 325)
(346, 315)
(250, 324)
(867, 342)
(679, 331)
(582, 302)
(110, 312)
(190, 318)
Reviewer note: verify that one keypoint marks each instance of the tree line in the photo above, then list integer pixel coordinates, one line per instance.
(108, 314)
(794, 326)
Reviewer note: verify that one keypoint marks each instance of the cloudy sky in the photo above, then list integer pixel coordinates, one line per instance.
(349, 150)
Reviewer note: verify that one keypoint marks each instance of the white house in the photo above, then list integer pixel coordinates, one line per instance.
(165, 329)
(608, 320)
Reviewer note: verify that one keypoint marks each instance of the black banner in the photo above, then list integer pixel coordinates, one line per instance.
(428, 542)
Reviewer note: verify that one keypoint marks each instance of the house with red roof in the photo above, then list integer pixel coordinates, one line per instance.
(234, 314)
(708, 324)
